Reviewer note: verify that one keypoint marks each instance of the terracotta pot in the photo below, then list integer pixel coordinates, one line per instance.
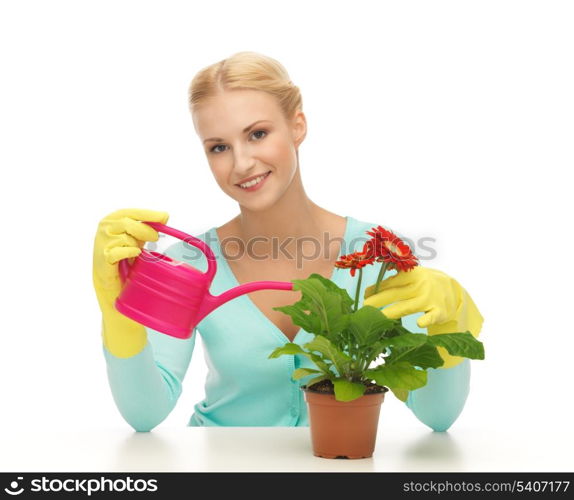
(343, 429)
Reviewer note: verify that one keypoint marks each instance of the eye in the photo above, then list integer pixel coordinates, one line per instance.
(216, 151)
(213, 150)
(257, 131)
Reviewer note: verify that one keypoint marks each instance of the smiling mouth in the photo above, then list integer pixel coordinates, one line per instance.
(251, 183)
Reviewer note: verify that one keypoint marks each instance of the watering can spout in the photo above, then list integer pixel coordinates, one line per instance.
(211, 302)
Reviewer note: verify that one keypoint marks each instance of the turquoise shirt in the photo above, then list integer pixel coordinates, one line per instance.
(243, 386)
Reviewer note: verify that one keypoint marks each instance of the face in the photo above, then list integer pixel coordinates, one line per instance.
(244, 133)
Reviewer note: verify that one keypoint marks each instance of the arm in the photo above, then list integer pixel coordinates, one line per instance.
(449, 309)
(431, 302)
(146, 385)
(439, 403)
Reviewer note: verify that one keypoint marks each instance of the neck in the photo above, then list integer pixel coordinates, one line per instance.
(294, 215)
(294, 226)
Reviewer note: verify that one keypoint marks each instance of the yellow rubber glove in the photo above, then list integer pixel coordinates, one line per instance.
(448, 307)
(120, 235)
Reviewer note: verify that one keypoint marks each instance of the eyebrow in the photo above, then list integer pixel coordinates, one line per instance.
(244, 130)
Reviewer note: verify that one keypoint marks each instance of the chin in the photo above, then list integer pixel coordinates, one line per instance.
(260, 205)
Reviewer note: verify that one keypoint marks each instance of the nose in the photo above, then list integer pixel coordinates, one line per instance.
(243, 160)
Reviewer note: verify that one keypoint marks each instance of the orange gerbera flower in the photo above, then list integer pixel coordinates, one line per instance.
(385, 246)
(354, 261)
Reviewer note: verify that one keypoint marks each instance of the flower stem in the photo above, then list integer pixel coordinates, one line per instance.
(382, 271)
(358, 289)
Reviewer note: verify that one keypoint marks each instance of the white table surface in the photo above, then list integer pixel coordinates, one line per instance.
(279, 449)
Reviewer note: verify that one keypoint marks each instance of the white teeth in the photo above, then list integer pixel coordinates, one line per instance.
(253, 182)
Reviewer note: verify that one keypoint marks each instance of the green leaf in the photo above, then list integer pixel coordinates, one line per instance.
(424, 356)
(398, 376)
(401, 394)
(319, 361)
(288, 348)
(374, 351)
(459, 344)
(323, 345)
(399, 329)
(292, 348)
(309, 322)
(323, 302)
(406, 340)
(319, 379)
(346, 300)
(368, 325)
(346, 390)
(303, 372)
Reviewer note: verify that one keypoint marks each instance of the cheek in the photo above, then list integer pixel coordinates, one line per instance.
(220, 171)
(277, 151)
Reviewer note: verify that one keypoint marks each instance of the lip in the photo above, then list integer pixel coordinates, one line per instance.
(258, 185)
(251, 178)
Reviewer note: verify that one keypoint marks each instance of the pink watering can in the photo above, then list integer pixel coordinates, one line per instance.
(173, 297)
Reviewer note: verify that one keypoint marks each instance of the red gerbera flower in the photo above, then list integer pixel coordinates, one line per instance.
(385, 246)
(354, 261)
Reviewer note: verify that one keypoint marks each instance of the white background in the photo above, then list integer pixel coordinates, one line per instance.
(450, 120)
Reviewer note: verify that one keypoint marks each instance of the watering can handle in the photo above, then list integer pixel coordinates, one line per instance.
(196, 242)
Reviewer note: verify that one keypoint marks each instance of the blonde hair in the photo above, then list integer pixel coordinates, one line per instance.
(246, 70)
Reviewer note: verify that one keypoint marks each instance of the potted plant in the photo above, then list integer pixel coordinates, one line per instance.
(358, 354)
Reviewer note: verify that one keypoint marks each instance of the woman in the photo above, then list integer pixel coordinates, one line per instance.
(248, 116)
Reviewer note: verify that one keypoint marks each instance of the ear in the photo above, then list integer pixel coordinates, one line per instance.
(298, 127)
